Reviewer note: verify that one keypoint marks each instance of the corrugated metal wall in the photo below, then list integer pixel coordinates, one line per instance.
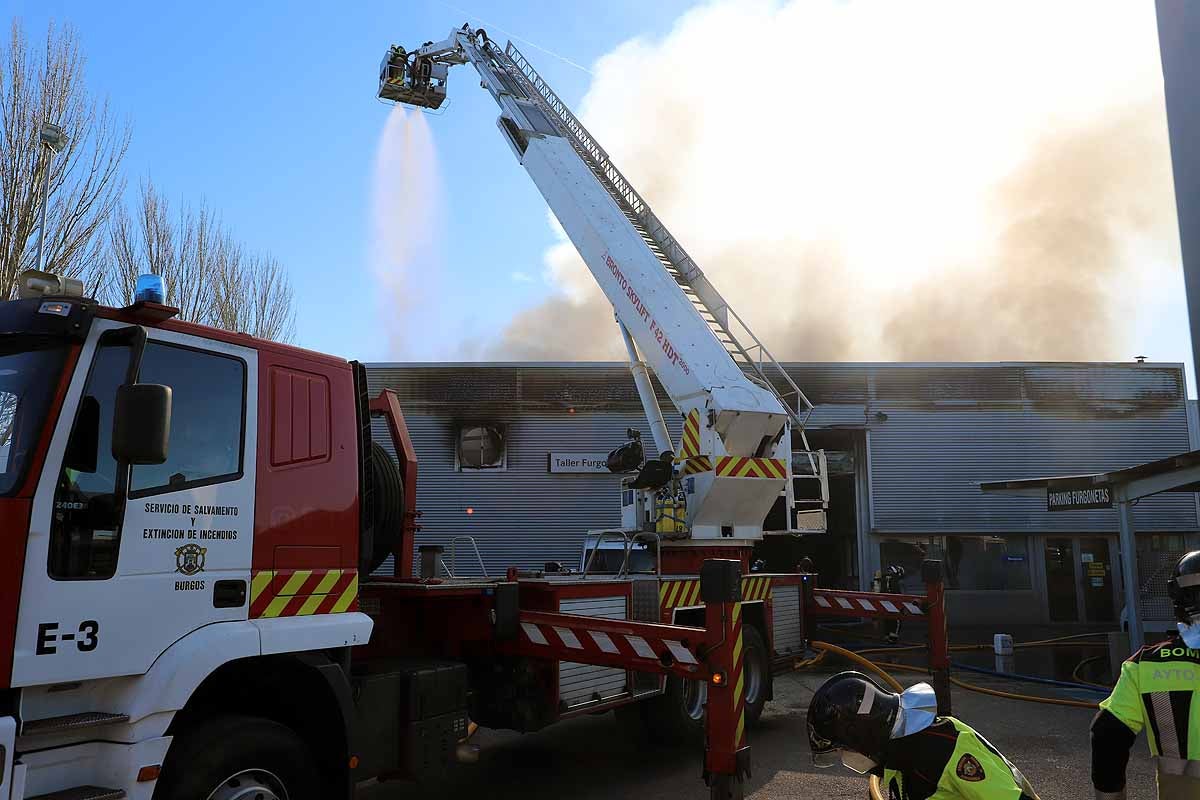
(928, 457)
(944, 428)
(522, 516)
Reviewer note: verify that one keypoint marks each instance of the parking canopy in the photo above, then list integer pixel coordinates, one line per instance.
(1120, 489)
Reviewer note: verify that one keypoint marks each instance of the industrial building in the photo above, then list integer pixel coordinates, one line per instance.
(908, 445)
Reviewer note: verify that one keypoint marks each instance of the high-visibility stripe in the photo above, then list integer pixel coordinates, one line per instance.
(275, 607)
(568, 638)
(738, 677)
(260, 582)
(293, 584)
(681, 653)
(603, 641)
(534, 633)
(686, 592)
(327, 583)
(1168, 735)
(689, 444)
(639, 645)
(738, 467)
(348, 598)
(755, 588)
(310, 605)
(303, 592)
(696, 464)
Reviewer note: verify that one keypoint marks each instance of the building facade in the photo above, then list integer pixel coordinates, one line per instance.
(908, 445)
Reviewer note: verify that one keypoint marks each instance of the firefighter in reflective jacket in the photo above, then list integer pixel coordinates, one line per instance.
(899, 738)
(1159, 690)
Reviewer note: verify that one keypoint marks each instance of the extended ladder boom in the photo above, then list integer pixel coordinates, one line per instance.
(717, 373)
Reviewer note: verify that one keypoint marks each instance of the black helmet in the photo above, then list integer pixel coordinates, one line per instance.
(851, 712)
(1184, 587)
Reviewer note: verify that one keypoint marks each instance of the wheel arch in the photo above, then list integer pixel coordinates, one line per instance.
(307, 692)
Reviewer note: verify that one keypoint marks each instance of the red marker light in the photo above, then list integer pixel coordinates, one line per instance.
(470, 511)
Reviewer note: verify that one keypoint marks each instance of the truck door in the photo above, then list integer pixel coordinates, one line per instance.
(124, 561)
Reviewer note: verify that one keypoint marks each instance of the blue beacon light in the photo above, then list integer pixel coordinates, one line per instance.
(149, 289)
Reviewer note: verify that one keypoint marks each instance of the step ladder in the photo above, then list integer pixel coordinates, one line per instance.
(746, 349)
(72, 723)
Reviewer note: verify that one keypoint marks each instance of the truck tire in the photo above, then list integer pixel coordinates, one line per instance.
(233, 757)
(387, 506)
(676, 717)
(756, 665)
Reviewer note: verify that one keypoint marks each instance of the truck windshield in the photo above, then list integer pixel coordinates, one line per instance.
(29, 371)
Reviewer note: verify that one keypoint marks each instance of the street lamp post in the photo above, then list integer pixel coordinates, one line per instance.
(54, 139)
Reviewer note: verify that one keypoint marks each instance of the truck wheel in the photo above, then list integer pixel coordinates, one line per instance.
(756, 671)
(677, 716)
(238, 758)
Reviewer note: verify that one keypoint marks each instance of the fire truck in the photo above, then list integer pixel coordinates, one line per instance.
(192, 518)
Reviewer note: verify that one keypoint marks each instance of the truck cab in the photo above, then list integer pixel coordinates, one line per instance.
(174, 499)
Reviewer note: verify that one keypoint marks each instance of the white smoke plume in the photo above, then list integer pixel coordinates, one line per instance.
(879, 181)
(405, 223)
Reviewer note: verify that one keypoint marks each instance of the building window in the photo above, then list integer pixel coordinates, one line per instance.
(971, 563)
(481, 447)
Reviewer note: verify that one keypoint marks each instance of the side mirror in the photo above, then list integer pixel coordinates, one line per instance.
(142, 423)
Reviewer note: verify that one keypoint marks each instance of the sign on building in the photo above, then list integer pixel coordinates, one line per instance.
(578, 462)
(1059, 498)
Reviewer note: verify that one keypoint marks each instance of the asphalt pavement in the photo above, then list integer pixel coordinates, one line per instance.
(592, 757)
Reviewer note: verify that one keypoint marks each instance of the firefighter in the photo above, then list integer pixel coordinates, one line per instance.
(901, 739)
(1159, 690)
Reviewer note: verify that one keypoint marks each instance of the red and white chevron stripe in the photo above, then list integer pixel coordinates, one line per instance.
(868, 604)
(642, 646)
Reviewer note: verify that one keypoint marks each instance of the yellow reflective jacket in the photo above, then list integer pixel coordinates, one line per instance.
(1159, 690)
(951, 761)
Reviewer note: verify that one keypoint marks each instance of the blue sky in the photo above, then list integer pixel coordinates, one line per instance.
(268, 112)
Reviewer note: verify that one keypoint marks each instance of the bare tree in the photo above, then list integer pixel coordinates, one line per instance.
(209, 277)
(254, 295)
(185, 248)
(85, 180)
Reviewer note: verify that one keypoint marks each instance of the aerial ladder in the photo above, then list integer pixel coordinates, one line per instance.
(740, 407)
